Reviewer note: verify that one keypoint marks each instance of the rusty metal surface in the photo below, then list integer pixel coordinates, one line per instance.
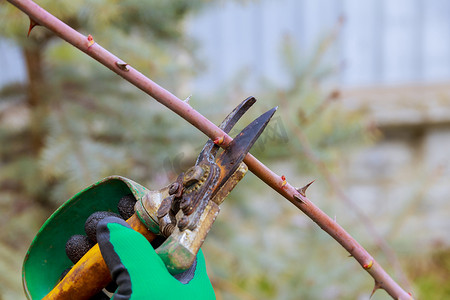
(147, 208)
(209, 151)
(230, 159)
(186, 218)
(180, 249)
(229, 185)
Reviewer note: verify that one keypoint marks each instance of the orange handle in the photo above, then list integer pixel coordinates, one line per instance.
(90, 274)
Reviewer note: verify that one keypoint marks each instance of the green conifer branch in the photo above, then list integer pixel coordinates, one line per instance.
(278, 183)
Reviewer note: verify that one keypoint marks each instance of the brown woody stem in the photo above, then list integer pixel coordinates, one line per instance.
(184, 110)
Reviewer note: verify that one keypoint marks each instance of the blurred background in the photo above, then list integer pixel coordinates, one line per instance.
(363, 89)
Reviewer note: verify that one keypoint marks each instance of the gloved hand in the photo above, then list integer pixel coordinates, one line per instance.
(140, 273)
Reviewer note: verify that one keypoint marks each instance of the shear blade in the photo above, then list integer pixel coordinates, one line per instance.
(230, 159)
(210, 149)
(229, 122)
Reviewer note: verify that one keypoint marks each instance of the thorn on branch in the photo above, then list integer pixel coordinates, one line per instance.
(297, 197)
(90, 41)
(302, 190)
(375, 288)
(32, 25)
(187, 99)
(122, 65)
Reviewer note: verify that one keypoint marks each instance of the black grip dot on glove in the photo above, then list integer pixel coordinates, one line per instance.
(90, 227)
(126, 206)
(77, 246)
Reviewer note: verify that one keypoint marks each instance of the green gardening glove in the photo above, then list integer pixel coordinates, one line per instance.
(140, 273)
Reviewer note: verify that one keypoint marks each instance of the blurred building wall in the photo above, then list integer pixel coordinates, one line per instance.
(405, 176)
(13, 68)
(381, 42)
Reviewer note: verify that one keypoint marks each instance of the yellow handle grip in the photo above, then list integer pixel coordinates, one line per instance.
(90, 274)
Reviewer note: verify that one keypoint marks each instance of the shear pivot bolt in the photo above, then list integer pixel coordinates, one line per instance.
(193, 175)
(165, 206)
(173, 189)
(183, 223)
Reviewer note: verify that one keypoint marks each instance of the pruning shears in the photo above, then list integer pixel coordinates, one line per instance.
(181, 213)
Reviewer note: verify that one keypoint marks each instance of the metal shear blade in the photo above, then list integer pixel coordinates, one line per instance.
(210, 149)
(234, 154)
(212, 171)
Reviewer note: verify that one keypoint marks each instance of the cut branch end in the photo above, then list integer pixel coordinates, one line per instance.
(122, 65)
